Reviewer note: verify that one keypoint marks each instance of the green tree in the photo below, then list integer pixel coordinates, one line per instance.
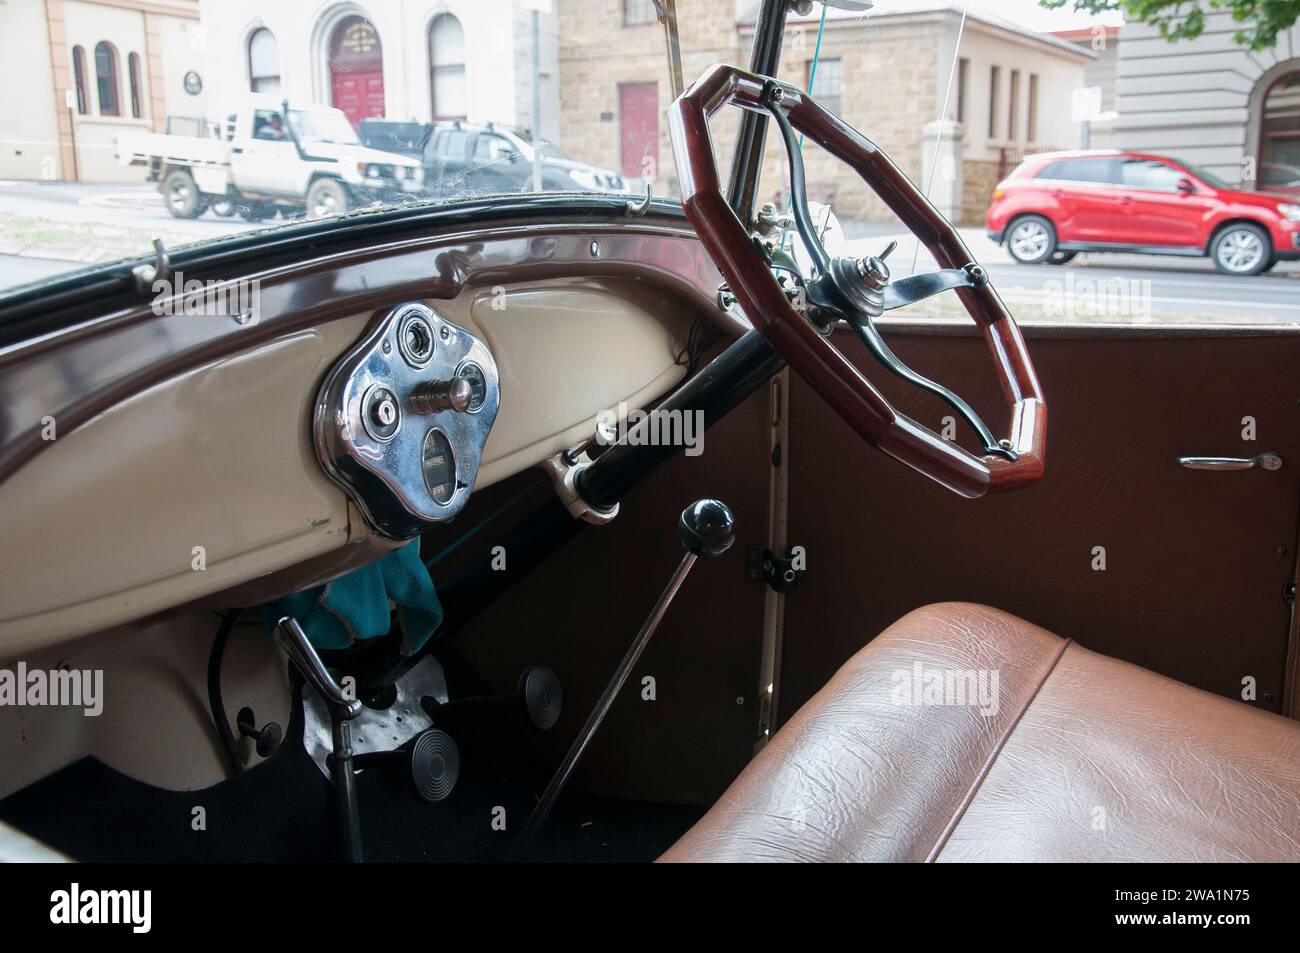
(1261, 20)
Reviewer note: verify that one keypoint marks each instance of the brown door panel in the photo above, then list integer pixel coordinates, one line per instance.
(1196, 562)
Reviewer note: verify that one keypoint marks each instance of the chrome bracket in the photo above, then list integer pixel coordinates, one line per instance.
(146, 274)
(563, 469)
(635, 208)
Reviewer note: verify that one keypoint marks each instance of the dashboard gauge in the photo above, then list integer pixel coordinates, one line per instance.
(439, 465)
(477, 384)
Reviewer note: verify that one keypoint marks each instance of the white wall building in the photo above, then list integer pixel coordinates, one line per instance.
(81, 71)
(401, 59)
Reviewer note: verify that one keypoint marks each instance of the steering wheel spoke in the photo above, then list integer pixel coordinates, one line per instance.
(859, 290)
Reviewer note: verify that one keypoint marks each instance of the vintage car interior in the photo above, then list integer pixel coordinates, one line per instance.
(596, 644)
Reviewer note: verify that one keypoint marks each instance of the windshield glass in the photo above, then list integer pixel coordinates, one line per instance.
(322, 127)
(172, 128)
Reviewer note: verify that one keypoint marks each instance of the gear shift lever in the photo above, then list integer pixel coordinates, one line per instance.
(706, 528)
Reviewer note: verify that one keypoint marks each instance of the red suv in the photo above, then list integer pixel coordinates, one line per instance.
(1057, 204)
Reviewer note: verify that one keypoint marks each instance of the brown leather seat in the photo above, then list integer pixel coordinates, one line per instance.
(1075, 757)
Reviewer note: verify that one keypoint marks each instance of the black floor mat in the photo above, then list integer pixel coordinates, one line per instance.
(282, 810)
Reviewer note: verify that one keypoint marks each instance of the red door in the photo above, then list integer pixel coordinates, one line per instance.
(1085, 192)
(357, 70)
(638, 111)
(1155, 210)
(359, 95)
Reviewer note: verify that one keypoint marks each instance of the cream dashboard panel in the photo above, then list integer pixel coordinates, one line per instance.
(210, 479)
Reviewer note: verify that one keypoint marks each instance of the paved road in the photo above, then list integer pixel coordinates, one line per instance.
(1101, 286)
(128, 206)
(1093, 286)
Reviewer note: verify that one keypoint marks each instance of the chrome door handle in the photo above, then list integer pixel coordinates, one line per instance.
(1265, 461)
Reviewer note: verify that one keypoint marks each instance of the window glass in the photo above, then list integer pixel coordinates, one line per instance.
(79, 77)
(439, 93)
(489, 147)
(268, 125)
(447, 67)
(1099, 171)
(638, 12)
(1279, 153)
(263, 62)
(133, 77)
(828, 83)
(106, 79)
(1149, 174)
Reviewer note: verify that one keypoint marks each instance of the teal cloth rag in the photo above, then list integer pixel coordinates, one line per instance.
(355, 606)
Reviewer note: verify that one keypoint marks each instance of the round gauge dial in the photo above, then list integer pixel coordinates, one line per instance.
(477, 384)
(439, 465)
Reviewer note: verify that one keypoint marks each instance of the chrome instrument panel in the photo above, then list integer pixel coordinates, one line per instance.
(401, 420)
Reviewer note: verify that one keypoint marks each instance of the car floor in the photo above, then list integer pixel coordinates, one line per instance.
(282, 810)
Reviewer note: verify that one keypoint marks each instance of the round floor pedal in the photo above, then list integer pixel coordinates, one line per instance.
(435, 764)
(542, 695)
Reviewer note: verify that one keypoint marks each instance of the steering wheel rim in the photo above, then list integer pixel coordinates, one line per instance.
(804, 348)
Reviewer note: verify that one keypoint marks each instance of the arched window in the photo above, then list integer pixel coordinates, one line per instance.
(133, 80)
(106, 79)
(263, 62)
(447, 67)
(79, 77)
(1279, 148)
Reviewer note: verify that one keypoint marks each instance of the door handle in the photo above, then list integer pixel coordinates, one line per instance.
(1264, 461)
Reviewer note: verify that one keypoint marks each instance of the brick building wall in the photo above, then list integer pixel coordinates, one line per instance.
(979, 178)
(598, 54)
(890, 90)
(893, 68)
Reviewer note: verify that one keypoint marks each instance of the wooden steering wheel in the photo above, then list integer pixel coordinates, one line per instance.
(857, 290)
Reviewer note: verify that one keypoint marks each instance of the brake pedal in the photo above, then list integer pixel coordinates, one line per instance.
(542, 696)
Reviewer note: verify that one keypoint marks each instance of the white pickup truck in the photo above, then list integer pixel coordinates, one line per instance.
(269, 155)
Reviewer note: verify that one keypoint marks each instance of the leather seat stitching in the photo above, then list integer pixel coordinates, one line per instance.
(965, 803)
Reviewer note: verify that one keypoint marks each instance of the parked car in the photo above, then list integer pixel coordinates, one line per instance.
(467, 159)
(1055, 205)
(268, 155)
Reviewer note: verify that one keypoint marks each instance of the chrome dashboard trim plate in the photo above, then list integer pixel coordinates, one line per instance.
(385, 477)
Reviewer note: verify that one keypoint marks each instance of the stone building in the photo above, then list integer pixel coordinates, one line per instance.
(886, 73)
(86, 70)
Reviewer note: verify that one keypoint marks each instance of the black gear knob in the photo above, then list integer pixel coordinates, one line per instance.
(707, 528)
